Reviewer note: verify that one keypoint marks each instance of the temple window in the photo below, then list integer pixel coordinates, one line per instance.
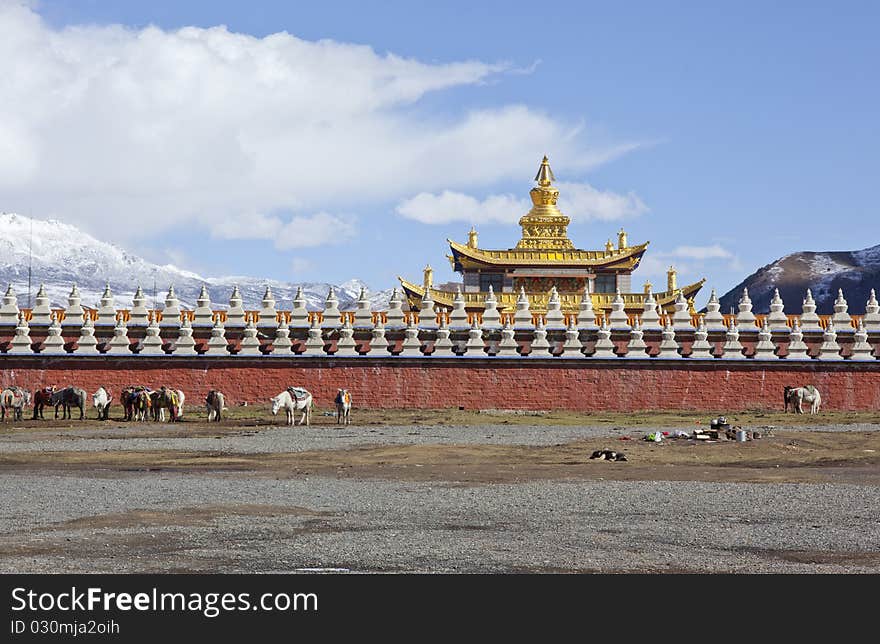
(495, 280)
(605, 283)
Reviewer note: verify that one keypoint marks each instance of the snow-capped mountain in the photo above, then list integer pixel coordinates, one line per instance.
(62, 255)
(856, 272)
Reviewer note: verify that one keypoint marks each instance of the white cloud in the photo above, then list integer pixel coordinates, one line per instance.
(296, 232)
(691, 264)
(702, 252)
(300, 265)
(450, 206)
(580, 201)
(199, 126)
(583, 202)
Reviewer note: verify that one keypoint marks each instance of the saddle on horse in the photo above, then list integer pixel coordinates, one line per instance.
(298, 393)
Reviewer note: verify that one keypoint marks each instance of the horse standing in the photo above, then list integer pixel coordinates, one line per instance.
(806, 394)
(41, 399)
(294, 399)
(343, 406)
(170, 399)
(14, 398)
(101, 399)
(215, 403)
(67, 398)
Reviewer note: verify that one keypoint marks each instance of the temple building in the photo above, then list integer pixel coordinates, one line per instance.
(545, 257)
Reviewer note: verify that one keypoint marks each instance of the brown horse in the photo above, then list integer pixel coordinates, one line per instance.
(41, 399)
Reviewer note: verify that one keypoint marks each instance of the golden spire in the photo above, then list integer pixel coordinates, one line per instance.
(671, 279)
(472, 238)
(429, 277)
(545, 174)
(544, 226)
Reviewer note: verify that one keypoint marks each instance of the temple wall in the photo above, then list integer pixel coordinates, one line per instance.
(581, 384)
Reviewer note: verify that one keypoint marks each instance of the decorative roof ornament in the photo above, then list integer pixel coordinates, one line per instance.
(539, 345)
(106, 312)
(733, 348)
(54, 343)
(861, 350)
(668, 346)
(765, 349)
(829, 350)
(554, 318)
(681, 318)
(618, 317)
(268, 313)
(809, 320)
(171, 312)
(636, 347)
(604, 346)
(797, 349)
(235, 312)
(650, 316)
(394, 315)
(203, 314)
(442, 345)
(522, 318)
(299, 314)
(21, 343)
(777, 318)
(872, 313)
(701, 348)
(73, 315)
(745, 315)
(544, 226)
(841, 314)
(586, 317)
(184, 345)
(41, 313)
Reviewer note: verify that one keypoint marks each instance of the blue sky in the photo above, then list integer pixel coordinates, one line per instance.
(353, 145)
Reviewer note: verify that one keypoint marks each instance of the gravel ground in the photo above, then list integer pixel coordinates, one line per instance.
(171, 522)
(259, 440)
(386, 526)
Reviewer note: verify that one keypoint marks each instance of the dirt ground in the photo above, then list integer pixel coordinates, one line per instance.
(782, 454)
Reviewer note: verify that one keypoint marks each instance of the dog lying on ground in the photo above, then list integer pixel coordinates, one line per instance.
(608, 455)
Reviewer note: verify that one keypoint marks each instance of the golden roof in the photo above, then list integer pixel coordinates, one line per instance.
(626, 258)
(538, 301)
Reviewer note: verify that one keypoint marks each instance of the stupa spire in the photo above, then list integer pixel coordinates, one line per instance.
(544, 226)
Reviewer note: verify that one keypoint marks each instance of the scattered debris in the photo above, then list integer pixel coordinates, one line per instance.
(719, 423)
(654, 437)
(608, 455)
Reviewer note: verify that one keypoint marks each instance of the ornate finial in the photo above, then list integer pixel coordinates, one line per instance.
(648, 287)
(671, 279)
(429, 276)
(545, 174)
(544, 226)
(472, 238)
(621, 239)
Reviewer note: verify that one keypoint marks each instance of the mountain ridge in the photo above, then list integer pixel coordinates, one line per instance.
(823, 272)
(62, 255)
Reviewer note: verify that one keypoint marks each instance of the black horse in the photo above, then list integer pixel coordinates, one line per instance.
(69, 397)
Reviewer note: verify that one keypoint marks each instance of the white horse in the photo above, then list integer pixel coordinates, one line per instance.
(14, 399)
(343, 406)
(806, 394)
(215, 403)
(294, 400)
(101, 400)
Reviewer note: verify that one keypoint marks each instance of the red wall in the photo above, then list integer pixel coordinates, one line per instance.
(473, 383)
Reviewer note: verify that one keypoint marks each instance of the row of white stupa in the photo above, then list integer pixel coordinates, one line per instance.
(268, 316)
(489, 337)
